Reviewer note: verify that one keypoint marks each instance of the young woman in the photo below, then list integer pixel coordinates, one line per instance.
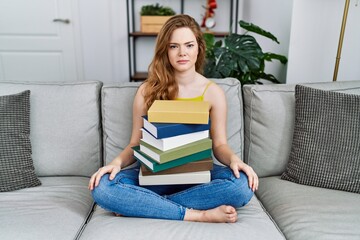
(174, 73)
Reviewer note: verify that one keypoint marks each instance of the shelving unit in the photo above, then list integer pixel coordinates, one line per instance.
(133, 35)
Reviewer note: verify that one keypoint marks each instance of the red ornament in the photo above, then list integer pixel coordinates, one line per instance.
(209, 13)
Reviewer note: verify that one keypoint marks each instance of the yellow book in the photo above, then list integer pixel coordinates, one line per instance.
(177, 111)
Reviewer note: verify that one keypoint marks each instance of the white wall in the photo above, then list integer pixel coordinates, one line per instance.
(308, 31)
(104, 40)
(314, 40)
(273, 16)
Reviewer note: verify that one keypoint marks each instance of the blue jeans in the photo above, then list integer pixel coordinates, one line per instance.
(124, 196)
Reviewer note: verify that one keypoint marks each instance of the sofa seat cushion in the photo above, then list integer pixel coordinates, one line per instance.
(305, 212)
(253, 223)
(55, 210)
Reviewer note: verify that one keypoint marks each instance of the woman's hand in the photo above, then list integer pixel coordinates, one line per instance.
(113, 169)
(238, 165)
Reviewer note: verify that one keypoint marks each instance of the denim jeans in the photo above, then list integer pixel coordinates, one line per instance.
(124, 196)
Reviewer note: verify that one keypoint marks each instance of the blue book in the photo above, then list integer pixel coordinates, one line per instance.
(165, 130)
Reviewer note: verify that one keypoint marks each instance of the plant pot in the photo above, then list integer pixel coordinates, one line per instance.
(152, 24)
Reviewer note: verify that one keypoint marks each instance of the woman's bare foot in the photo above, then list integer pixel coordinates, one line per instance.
(221, 214)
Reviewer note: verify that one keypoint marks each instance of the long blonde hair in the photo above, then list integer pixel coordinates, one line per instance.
(161, 84)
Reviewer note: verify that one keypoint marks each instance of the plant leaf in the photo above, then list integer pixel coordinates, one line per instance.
(256, 29)
(269, 56)
(245, 51)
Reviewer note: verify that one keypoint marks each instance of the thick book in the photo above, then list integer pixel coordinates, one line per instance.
(182, 151)
(176, 111)
(157, 167)
(165, 144)
(176, 178)
(197, 166)
(165, 130)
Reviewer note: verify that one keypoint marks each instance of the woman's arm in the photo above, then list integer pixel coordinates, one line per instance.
(218, 114)
(125, 158)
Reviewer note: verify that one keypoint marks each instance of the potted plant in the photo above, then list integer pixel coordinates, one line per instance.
(153, 17)
(240, 56)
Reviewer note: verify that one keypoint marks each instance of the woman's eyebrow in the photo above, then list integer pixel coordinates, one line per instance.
(183, 43)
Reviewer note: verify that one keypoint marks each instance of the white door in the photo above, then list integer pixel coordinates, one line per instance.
(37, 41)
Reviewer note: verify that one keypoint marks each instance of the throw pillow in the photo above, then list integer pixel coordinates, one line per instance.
(326, 144)
(16, 165)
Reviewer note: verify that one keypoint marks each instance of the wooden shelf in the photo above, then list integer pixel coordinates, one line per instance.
(142, 34)
(139, 76)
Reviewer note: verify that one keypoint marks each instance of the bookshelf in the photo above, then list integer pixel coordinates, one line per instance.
(134, 34)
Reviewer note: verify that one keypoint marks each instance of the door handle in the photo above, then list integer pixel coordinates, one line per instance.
(66, 21)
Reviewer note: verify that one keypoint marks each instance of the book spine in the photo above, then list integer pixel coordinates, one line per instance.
(173, 179)
(179, 129)
(201, 165)
(165, 144)
(156, 167)
(183, 117)
(182, 151)
(165, 130)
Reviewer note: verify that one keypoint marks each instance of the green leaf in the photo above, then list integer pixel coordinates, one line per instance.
(269, 77)
(156, 10)
(239, 56)
(269, 56)
(209, 39)
(256, 29)
(245, 51)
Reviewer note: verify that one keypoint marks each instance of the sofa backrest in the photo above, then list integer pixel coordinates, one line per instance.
(117, 101)
(269, 122)
(64, 126)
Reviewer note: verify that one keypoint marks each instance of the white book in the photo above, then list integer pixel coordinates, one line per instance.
(165, 144)
(176, 178)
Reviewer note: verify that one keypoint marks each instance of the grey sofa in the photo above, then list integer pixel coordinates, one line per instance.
(77, 127)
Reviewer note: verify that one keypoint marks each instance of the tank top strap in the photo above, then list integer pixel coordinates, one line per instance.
(206, 87)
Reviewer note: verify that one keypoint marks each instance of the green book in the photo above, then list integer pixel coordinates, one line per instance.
(172, 154)
(156, 167)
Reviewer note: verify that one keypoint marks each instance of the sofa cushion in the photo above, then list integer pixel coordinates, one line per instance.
(305, 212)
(16, 164)
(55, 210)
(253, 224)
(64, 126)
(117, 101)
(116, 107)
(326, 146)
(269, 123)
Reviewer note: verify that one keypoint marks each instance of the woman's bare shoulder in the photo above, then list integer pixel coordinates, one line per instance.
(214, 89)
(211, 84)
(141, 89)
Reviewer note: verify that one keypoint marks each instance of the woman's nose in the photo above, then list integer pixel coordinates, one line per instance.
(182, 51)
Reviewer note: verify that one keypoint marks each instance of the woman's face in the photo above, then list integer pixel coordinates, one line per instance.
(183, 50)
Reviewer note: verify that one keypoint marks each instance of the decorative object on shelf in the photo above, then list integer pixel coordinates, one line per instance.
(208, 21)
(240, 56)
(341, 39)
(153, 17)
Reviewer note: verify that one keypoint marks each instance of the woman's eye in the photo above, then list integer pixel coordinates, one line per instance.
(173, 46)
(190, 45)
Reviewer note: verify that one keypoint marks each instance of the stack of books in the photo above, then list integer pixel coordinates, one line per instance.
(175, 147)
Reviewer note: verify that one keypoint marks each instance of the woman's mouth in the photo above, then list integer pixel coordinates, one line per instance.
(182, 61)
